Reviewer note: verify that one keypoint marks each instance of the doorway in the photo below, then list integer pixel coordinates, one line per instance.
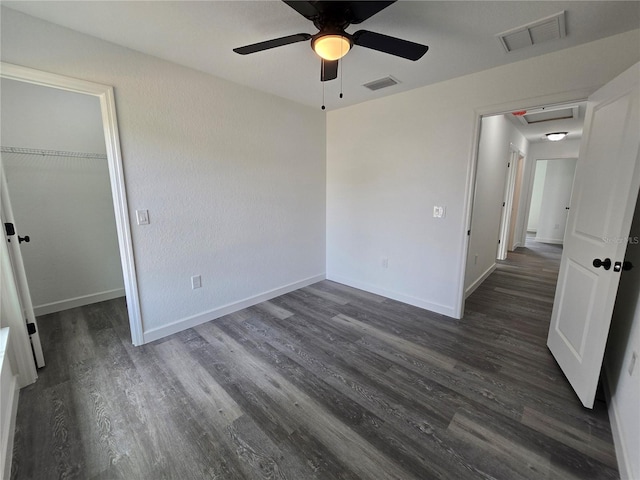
(550, 199)
(55, 163)
(509, 146)
(105, 96)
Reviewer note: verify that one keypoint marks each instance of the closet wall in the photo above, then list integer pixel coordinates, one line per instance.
(54, 157)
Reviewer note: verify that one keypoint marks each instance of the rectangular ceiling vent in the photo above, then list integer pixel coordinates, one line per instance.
(549, 114)
(549, 28)
(381, 83)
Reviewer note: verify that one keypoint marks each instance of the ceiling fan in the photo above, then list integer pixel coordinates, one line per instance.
(331, 42)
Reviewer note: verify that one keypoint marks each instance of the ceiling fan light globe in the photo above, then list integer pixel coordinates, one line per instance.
(331, 47)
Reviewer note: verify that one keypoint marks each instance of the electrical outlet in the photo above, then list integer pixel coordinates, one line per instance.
(475, 259)
(385, 262)
(196, 282)
(439, 212)
(632, 363)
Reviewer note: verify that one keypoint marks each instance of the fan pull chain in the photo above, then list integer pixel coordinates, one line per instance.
(341, 68)
(323, 107)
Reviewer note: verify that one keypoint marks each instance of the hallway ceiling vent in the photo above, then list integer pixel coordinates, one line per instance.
(543, 30)
(381, 83)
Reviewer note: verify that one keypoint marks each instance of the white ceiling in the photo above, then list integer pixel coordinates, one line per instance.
(201, 34)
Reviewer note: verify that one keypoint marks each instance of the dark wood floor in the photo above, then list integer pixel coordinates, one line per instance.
(322, 383)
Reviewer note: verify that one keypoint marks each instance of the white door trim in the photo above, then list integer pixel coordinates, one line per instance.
(116, 173)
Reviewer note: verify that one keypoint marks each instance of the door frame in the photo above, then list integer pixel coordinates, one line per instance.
(572, 96)
(105, 95)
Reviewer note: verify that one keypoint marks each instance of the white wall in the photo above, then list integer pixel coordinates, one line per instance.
(64, 204)
(50, 119)
(390, 160)
(556, 197)
(623, 342)
(540, 172)
(497, 135)
(234, 179)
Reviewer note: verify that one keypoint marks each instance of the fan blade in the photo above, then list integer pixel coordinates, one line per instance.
(361, 10)
(276, 42)
(306, 9)
(328, 70)
(392, 45)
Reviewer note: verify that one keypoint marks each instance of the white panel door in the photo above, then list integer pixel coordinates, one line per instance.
(17, 268)
(602, 206)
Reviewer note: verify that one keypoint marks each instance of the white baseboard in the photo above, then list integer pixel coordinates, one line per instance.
(192, 321)
(557, 241)
(622, 454)
(416, 302)
(472, 288)
(77, 301)
(516, 245)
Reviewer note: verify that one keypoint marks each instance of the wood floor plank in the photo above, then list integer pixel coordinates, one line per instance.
(326, 382)
(353, 450)
(417, 438)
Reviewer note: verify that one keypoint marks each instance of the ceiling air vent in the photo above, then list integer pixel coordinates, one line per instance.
(549, 28)
(549, 114)
(381, 83)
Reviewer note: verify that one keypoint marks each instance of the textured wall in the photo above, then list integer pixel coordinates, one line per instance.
(234, 179)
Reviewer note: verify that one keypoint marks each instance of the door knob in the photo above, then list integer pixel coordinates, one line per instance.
(24, 239)
(606, 263)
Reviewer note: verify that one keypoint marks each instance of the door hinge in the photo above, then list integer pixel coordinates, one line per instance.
(10, 229)
(498, 242)
(503, 204)
(31, 328)
(508, 164)
(468, 232)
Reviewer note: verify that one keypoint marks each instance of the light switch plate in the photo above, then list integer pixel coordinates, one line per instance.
(142, 216)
